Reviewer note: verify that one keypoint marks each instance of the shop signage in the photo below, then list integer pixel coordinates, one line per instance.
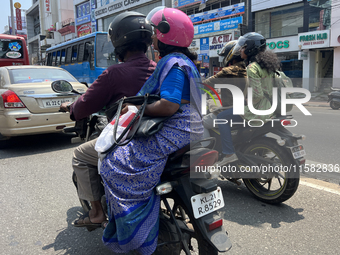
(182, 3)
(316, 39)
(204, 46)
(84, 29)
(18, 18)
(284, 44)
(258, 5)
(93, 18)
(83, 13)
(217, 26)
(47, 6)
(117, 6)
(216, 44)
(303, 55)
(195, 46)
(228, 11)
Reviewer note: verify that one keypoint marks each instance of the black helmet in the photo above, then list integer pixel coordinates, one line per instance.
(253, 43)
(129, 27)
(228, 53)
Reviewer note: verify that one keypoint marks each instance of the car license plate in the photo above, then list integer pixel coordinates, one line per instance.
(203, 204)
(298, 151)
(55, 102)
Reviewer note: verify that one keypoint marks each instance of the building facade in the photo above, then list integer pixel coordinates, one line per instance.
(299, 31)
(215, 23)
(48, 23)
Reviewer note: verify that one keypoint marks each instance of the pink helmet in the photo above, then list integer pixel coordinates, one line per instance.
(173, 26)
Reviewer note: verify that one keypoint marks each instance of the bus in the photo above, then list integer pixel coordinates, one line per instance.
(13, 50)
(85, 57)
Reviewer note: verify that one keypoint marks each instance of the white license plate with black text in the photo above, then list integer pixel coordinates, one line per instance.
(55, 102)
(203, 204)
(298, 151)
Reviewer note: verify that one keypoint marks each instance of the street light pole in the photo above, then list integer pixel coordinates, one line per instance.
(12, 18)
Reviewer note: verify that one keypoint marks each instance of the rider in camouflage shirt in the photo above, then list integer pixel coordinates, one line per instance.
(235, 74)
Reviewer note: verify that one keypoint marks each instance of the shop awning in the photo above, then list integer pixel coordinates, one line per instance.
(67, 30)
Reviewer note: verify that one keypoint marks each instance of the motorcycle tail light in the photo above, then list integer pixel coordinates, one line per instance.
(285, 122)
(207, 159)
(213, 225)
(11, 100)
(302, 161)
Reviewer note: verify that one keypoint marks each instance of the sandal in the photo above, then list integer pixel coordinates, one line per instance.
(84, 221)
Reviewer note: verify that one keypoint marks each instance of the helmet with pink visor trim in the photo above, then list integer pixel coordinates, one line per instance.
(173, 26)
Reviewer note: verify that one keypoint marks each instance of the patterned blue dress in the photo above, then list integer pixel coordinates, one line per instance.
(130, 173)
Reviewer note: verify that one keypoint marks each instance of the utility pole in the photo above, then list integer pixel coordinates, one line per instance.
(12, 18)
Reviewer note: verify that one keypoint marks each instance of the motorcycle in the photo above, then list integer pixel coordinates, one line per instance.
(189, 206)
(334, 98)
(270, 159)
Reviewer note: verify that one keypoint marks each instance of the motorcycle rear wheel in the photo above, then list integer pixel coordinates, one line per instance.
(280, 188)
(334, 105)
(189, 229)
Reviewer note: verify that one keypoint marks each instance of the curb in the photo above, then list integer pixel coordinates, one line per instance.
(316, 105)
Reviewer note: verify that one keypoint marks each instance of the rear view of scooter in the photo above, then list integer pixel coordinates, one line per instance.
(334, 98)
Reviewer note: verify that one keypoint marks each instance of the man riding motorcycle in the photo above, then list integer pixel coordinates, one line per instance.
(130, 34)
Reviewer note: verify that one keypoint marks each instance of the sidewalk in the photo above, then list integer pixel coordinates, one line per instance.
(316, 103)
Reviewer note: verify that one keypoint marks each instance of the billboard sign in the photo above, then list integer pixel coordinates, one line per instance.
(228, 11)
(218, 26)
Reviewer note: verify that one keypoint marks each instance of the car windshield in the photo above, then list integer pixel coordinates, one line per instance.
(105, 55)
(36, 75)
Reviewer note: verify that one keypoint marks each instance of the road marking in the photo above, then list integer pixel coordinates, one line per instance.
(320, 187)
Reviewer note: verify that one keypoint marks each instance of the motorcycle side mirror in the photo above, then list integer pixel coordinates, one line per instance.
(61, 86)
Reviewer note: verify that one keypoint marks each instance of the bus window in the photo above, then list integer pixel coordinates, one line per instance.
(54, 54)
(105, 55)
(57, 62)
(68, 55)
(81, 52)
(49, 59)
(74, 53)
(63, 56)
(89, 54)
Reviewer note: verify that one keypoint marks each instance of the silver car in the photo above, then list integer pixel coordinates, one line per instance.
(28, 105)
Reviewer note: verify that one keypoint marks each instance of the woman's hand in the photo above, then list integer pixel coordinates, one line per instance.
(125, 108)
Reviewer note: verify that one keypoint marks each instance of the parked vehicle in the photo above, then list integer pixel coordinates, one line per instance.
(28, 105)
(270, 159)
(189, 206)
(13, 50)
(334, 98)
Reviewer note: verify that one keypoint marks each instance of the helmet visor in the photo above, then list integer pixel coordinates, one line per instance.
(152, 13)
(241, 42)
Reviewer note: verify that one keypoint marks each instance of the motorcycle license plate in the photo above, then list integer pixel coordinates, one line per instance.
(298, 151)
(205, 203)
(55, 102)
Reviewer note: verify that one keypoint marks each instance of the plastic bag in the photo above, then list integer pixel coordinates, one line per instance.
(105, 140)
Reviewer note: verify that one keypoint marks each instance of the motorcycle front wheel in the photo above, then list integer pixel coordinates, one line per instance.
(285, 183)
(169, 242)
(334, 105)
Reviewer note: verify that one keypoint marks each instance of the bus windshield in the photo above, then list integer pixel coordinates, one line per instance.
(11, 49)
(105, 56)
